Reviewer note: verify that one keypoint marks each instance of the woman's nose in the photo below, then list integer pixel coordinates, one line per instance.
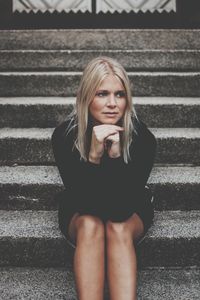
(111, 100)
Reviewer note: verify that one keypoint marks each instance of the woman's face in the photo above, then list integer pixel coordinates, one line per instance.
(109, 103)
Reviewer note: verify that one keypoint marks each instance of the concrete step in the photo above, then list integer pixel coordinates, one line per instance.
(76, 60)
(32, 238)
(50, 111)
(33, 145)
(34, 187)
(167, 84)
(58, 283)
(100, 39)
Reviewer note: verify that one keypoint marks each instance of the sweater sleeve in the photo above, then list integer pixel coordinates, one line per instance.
(145, 151)
(75, 173)
(127, 181)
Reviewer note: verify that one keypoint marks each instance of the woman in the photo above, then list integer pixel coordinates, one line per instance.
(104, 154)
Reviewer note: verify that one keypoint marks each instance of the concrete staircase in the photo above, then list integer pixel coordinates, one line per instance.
(39, 75)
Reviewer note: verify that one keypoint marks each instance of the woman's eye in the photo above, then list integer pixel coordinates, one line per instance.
(120, 94)
(102, 94)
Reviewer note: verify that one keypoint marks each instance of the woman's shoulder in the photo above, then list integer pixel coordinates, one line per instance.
(64, 129)
(139, 124)
(143, 132)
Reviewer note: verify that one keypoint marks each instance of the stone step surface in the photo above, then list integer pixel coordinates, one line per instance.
(34, 187)
(162, 64)
(167, 84)
(76, 60)
(100, 39)
(58, 283)
(50, 111)
(32, 238)
(33, 145)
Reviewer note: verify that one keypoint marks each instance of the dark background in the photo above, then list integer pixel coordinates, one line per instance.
(187, 16)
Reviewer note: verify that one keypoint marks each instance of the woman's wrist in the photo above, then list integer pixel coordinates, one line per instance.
(115, 155)
(94, 159)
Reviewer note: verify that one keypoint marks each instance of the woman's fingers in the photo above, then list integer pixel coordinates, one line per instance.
(113, 137)
(110, 127)
(103, 136)
(102, 132)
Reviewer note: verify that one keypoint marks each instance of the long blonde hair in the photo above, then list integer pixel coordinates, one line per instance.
(92, 77)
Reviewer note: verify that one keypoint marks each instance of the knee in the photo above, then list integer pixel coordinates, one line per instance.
(90, 227)
(117, 232)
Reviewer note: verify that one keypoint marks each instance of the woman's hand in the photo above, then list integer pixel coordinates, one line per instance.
(107, 137)
(113, 145)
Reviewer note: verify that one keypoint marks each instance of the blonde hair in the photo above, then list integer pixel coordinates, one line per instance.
(92, 77)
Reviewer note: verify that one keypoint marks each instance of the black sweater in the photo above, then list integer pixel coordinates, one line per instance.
(111, 189)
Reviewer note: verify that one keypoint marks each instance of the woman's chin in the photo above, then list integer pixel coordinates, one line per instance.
(108, 121)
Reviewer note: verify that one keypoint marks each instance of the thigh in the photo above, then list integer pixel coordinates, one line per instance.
(135, 226)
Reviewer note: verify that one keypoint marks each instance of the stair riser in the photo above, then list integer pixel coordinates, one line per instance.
(169, 252)
(142, 84)
(167, 196)
(76, 61)
(29, 197)
(38, 151)
(35, 252)
(56, 253)
(51, 115)
(100, 39)
(34, 116)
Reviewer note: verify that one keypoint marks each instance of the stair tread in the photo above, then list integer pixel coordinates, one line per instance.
(99, 51)
(51, 101)
(75, 73)
(58, 283)
(44, 224)
(49, 175)
(45, 133)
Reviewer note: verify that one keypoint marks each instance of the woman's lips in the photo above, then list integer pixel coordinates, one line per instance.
(110, 114)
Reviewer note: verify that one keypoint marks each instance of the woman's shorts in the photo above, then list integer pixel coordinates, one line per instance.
(66, 211)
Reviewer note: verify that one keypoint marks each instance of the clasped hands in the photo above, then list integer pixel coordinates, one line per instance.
(105, 137)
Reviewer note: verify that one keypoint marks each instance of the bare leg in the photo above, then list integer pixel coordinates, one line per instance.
(121, 257)
(89, 233)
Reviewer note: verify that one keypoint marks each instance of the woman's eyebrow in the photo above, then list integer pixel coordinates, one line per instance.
(120, 91)
(108, 90)
(102, 90)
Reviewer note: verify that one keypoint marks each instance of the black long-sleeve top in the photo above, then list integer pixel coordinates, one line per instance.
(113, 188)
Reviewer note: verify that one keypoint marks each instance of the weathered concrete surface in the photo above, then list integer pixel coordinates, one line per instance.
(50, 111)
(37, 111)
(177, 145)
(30, 238)
(168, 284)
(32, 284)
(58, 283)
(33, 145)
(100, 39)
(76, 60)
(172, 84)
(35, 187)
(168, 111)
